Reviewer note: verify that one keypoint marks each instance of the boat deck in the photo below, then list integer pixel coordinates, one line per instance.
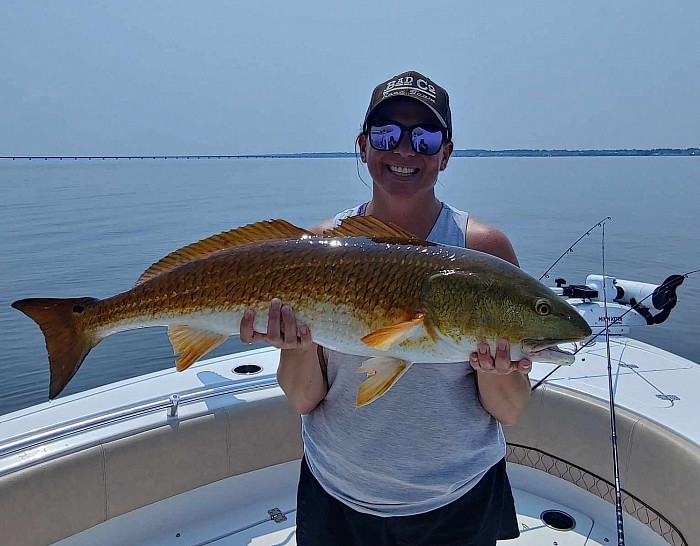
(237, 512)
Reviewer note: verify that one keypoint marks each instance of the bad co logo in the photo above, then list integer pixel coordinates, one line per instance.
(408, 86)
(401, 82)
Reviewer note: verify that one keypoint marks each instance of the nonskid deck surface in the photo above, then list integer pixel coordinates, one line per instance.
(648, 381)
(237, 512)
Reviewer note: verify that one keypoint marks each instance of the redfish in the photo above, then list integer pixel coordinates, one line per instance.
(364, 288)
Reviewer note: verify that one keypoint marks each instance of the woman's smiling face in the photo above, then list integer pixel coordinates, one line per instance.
(402, 171)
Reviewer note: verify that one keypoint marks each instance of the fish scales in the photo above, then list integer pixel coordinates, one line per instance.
(393, 298)
(305, 272)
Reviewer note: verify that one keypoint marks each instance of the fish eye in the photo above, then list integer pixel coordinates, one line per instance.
(543, 307)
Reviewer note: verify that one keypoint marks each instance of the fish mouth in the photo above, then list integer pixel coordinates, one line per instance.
(535, 346)
(549, 350)
(552, 355)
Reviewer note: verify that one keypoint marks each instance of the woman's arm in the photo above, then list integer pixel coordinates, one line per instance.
(301, 372)
(302, 378)
(504, 387)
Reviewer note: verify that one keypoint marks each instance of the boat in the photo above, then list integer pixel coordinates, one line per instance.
(211, 455)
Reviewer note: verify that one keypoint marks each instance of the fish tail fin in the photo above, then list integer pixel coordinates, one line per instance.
(67, 340)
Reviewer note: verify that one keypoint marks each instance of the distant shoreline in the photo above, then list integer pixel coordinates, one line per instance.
(325, 155)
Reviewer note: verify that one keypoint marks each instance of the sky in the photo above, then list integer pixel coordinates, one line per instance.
(231, 77)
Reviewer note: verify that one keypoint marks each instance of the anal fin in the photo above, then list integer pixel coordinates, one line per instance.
(385, 338)
(383, 372)
(191, 344)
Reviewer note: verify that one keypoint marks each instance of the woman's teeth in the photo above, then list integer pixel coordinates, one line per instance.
(402, 171)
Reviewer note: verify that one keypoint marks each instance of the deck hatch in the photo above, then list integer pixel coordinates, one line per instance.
(559, 520)
(247, 369)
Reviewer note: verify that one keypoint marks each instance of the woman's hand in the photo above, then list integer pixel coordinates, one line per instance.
(300, 373)
(283, 331)
(482, 360)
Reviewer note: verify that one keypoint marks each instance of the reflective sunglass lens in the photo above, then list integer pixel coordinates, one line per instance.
(384, 137)
(425, 141)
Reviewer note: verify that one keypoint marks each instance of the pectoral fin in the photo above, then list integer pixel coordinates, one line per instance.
(382, 372)
(385, 338)
(192, 344)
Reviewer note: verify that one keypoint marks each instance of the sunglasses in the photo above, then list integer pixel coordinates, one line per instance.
(425, 139)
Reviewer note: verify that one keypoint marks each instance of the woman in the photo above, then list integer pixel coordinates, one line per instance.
(424, 464)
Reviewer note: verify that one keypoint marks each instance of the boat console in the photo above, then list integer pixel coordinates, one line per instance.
(620, 303)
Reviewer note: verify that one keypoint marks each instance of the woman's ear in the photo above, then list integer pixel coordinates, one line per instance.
(446, 153)
(362, 144)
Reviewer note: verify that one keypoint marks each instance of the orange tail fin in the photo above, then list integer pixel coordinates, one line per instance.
(67, 341)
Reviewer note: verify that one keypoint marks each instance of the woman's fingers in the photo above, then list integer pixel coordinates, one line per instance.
(296, 336)
(305, 341)
(289, 326)
(524, 366)
(502, 362)
(482, 361)
(282, 329)
(247, 333)
(274, 323)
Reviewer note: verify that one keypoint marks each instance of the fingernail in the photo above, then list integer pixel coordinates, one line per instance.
(248, 314)
(501, 344)
(303, 330)
(483, 349)
(473, 357)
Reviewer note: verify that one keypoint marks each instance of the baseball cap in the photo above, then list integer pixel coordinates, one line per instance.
(413, 85)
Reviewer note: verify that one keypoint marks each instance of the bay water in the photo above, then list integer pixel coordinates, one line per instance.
(89, 228)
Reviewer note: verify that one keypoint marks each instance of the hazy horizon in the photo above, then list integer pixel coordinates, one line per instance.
(457, 152)
(107, 78)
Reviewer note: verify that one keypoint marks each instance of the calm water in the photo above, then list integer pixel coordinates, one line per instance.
(89, 228)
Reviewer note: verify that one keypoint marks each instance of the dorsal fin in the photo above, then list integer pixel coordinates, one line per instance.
(252, 233)
(375, 229)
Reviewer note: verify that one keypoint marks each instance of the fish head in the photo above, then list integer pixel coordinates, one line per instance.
(488, 303)
(548, 320)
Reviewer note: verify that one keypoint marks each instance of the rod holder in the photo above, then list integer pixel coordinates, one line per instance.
(174, 403)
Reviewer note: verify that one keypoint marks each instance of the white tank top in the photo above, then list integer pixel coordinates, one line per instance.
(422, 445)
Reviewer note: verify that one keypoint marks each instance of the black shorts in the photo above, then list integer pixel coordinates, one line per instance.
(486, 513)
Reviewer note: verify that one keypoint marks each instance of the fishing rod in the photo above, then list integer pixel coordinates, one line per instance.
(663, 298)
(571, 248)
(546, 275)
(611, 392)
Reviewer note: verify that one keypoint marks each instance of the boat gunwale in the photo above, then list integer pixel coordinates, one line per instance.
(73, 427)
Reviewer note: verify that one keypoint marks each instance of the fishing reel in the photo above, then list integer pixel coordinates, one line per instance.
(607, 300)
